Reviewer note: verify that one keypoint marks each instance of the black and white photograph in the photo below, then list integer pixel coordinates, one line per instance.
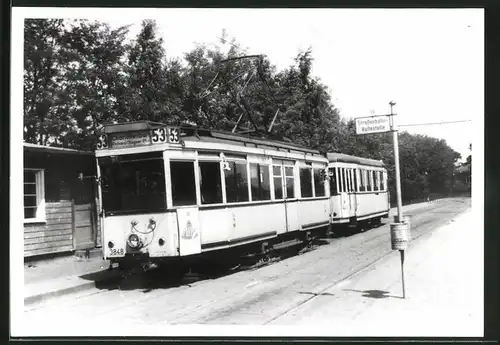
(247, 172)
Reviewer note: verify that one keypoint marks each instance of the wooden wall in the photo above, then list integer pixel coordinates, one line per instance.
(54, 236)
(69, 210)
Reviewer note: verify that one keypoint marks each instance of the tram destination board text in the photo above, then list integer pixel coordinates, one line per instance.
(130, 139)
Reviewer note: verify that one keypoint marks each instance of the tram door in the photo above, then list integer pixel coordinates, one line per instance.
(183, 186)
(291, 207)
(344, 196)
(348, 197)
(352, 193)
(284, 188)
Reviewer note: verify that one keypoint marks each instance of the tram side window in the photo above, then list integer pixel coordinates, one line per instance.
(341, 180)
(362, 187)
(369, 181)
(375, 180)
(236, 182)
(355, 180)
(183, 185)
(344, 181)
(290, 183)
(351, 180)
(278, 182)
(306, 182)
(333, 182)
(259, 178)
(382, 182)
(319, 183)
(210, 183)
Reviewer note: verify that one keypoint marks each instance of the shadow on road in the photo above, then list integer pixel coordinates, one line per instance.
(156, 278)
(347, 231)
(136, 280)
(374, 293)
(148, 280)
(316, 294)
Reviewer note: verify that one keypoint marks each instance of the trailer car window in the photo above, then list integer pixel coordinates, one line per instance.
(341, 180)
(382, 182)
(370, 181)
(259, 179)
(355, 174)
(361, 181)
(236, 182)
(344, 180)
(210, 183)
(351, 180)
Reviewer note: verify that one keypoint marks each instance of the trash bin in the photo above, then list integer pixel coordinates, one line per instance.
(400, 236)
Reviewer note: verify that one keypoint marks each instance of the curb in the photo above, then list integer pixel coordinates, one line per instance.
(81, 286)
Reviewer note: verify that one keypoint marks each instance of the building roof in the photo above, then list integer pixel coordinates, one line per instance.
(340, 157)
(54, 150)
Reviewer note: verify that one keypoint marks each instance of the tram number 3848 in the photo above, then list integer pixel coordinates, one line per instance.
(160, 135)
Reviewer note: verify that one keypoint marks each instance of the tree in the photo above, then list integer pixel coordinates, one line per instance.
(94, 79)
(42, 79)
(147, 88)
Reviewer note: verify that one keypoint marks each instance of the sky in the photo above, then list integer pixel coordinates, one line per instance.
(429, 61)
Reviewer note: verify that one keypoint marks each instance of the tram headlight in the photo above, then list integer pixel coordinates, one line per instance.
(134, 241)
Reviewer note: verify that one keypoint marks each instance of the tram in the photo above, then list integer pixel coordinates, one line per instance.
(168, 193)
(358, 190)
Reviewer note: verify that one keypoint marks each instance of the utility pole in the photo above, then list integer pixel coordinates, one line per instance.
(400, 229)
(396, 163)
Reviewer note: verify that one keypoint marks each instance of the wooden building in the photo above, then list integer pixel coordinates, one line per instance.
(59, 206)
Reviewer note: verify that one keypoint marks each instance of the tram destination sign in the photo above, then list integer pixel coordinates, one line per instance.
(373, 124)
(161, 135)
(132, 139)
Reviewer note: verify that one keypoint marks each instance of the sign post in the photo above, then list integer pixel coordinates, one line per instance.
(400, 229)
(396, 163)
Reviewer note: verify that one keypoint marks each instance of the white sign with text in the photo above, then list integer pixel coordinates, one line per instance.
(373, 124)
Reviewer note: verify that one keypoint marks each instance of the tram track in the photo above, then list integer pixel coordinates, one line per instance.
(224, 314)
(320, 291)
(258, 283)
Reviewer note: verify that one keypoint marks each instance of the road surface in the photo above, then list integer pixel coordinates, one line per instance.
(261, 296)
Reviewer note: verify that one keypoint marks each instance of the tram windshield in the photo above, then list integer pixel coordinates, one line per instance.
(133, 183)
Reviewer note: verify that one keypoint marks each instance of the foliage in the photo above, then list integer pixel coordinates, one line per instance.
(79, 75)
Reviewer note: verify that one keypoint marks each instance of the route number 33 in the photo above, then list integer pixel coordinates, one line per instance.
(162, 135)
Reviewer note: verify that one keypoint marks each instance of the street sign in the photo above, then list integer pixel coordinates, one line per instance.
(373, 124)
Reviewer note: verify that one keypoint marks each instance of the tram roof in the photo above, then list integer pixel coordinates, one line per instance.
(340, 157)
(220, 136)
(194, 133)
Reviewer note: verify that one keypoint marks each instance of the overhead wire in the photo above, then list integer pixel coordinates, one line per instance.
(433, 123)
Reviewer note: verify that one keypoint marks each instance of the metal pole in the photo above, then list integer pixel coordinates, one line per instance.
(396, 165)
(402, 252)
